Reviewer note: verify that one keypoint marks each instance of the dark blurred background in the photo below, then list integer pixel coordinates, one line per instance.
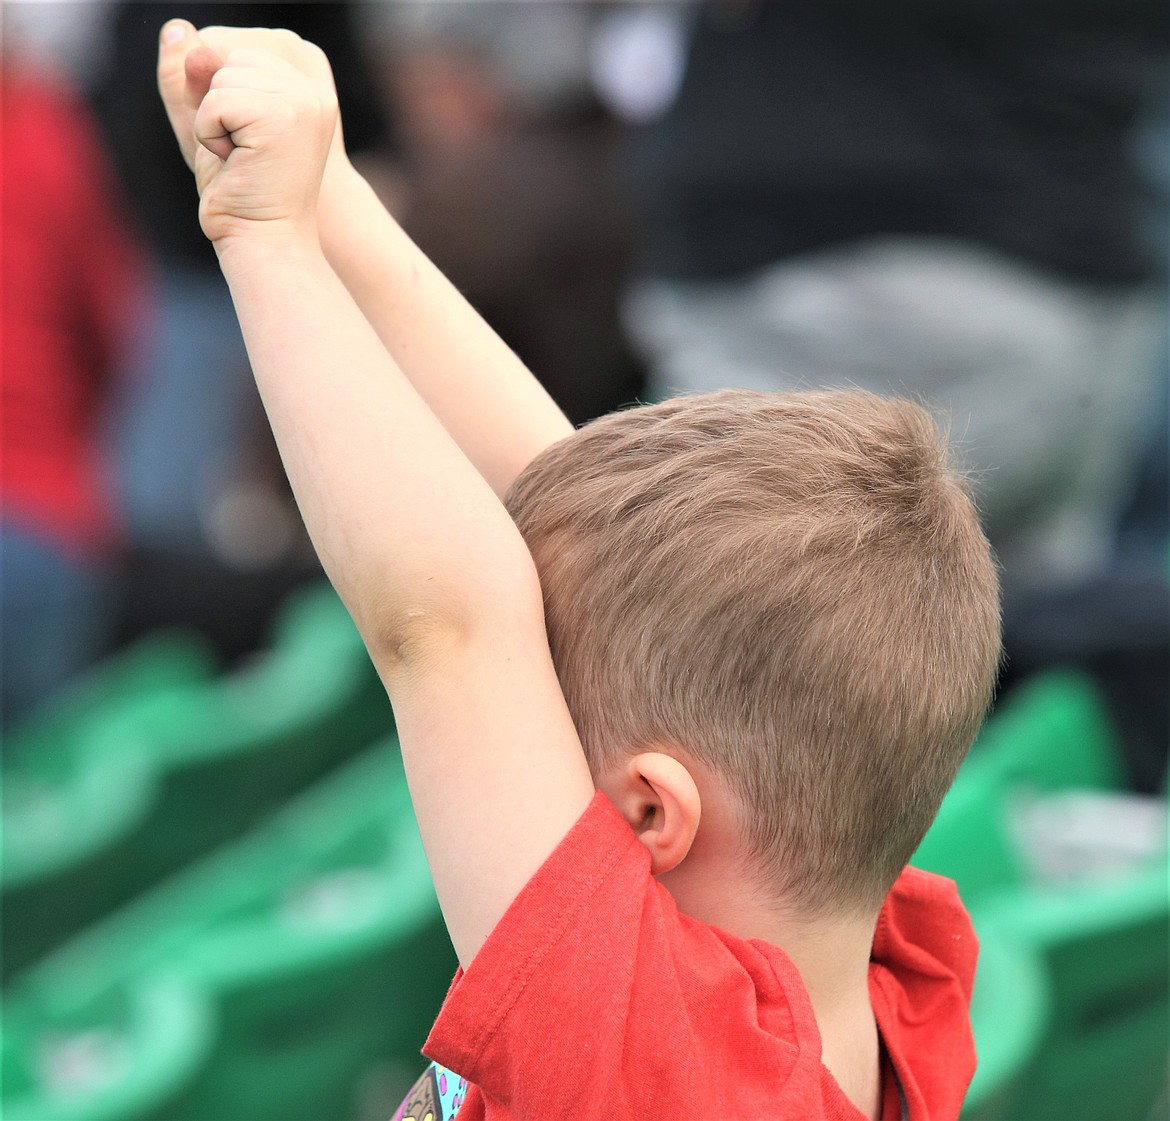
(964, 202)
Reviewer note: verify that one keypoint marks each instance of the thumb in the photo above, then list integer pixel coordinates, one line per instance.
(185, 69)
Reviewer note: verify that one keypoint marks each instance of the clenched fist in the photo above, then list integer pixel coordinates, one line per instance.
(256, 125)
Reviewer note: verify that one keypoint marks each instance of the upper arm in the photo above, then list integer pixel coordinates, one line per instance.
(434, 572)
(494, 408)
(496, 770)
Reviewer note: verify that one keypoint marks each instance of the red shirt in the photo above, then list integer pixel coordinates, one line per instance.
(594, 997)
(72, 284)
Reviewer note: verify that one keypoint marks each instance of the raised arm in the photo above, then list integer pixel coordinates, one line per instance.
(485, 397)
(489, 401)
(423, 553)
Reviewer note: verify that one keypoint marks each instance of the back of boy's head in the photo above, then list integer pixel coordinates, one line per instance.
(793, 588)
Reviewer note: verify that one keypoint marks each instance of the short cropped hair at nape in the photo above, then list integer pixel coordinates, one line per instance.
(793, 588)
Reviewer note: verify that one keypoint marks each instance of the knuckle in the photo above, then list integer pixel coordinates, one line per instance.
(251, 57)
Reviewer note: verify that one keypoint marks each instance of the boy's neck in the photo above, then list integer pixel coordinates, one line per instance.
(832, 955)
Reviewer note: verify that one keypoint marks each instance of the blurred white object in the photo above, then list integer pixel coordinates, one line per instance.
(1088, 835)
(82, 1063)
(345, 899)
(64, 35)
(249, 526)
(638, 59)
(540, 49)
(1014, 355)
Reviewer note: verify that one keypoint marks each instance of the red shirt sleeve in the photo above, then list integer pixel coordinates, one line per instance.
(595, 997)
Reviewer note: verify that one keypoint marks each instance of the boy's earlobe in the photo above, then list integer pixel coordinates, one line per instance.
(658, 797)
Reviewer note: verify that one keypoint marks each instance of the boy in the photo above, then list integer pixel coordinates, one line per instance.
(669, 849)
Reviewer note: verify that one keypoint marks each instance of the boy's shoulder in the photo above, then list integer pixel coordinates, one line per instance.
(564, 1010)
(565, 1005)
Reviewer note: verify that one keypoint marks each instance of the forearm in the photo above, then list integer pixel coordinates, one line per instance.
(405, 527)
(484, 396)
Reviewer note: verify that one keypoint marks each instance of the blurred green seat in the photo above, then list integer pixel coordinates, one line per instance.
(240, 747)
(64, 803)
(198, 765)
(319, 938)
(1105, 949)
(1099, 940)
(123, 1054)
(1053, 732)
(1010, 1009)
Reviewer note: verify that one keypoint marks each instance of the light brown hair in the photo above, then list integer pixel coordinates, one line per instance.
(795, 589)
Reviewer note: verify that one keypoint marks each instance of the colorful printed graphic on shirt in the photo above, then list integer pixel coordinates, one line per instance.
(436, 1096)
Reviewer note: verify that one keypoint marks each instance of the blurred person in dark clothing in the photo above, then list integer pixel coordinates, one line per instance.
(73, 281)
(933, 199)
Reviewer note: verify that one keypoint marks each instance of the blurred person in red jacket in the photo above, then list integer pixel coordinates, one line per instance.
(72, 281)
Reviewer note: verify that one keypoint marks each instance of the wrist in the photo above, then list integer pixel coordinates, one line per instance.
(345, 197)
(275, 245)
(339, 185)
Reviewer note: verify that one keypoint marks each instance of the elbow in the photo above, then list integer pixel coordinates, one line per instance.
(424, 637)
(405, 642)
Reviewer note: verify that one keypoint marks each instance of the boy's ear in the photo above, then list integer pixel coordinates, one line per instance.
(656, 794)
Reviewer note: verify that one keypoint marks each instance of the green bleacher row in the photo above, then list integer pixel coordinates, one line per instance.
(285, 976)
(156, 759)
(216, 906)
